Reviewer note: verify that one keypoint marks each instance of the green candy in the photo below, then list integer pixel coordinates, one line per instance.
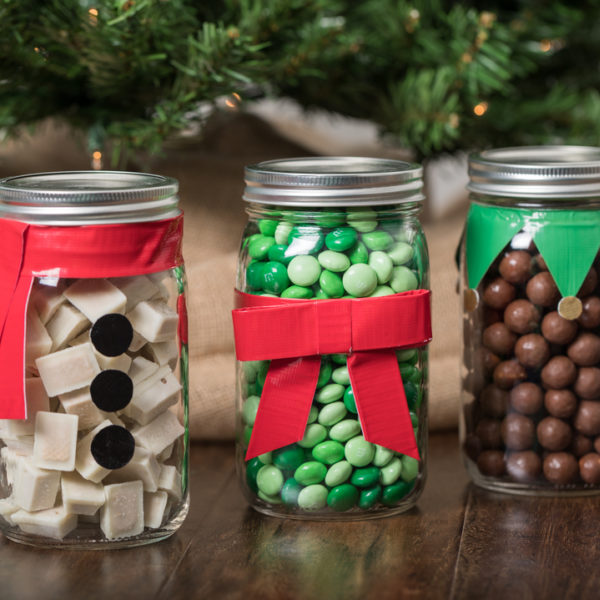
(328, 452)
(349, 400)
(340, 375)
(392, 494)
(345, 430)
(313, 497)
(282, 232)
(331, 284)
(269, 480)
(254, 275)
(297, 291)
(338, 473)
(382, 456)
(330, 219)
(290, 491)
(266, 458)
(364, 226)
(339, 359)
(364, 478)
(267, 226)
(359, 254)
(261, 374)
(247, 433)
(401, 253)
(305, 239)
(250, 368)
(329, 393)
(391, 472)
(342, 497)
(359, 452)
(312, 415)
(382, 264)
(275, 277)
(288, 458)
(334, 261)
(278, 252)
(304, 270)
(251, 238)
(259, 248)
(311, 472)
(341, 238)
(313, 434)
(249, 409)
(382, 290)
(410, 468)
(369, 497)
(410, 391)
(253, 466)
(362, 219)
(271, 499)
(403, 280)
(321, 295)
(377, 240)
(359, 280)
(410, 356)
(332, 413)
(324, 373)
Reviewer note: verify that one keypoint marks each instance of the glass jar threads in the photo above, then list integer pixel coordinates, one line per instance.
(93, 405)
(531, 386)
(331, 328)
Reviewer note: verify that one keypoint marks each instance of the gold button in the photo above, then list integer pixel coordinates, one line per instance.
(470, 300)
(570, 308)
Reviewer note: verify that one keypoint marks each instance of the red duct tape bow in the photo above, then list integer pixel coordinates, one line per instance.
(82, 251)
(293, 333)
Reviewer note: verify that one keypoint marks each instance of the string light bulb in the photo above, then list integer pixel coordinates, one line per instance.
(480, 109)
(93, 12)
(96, 160)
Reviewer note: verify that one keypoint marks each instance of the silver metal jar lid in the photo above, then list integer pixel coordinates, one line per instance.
(87, 197)
(333, 181)
(541, 172)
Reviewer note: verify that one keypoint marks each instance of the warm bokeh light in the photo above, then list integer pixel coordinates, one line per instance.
(480, 109)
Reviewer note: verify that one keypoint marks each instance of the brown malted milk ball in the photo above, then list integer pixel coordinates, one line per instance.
(527, 398)
(515, 267)
(589, 284)
(558, 330)
(524, 466)
(559, 373)
(596, 444)
(499, 293)
(540, 263)
(554, 434)
(560, 403)
(532, 350)
(580, 445)
(499, 339)
(542, 290)
(491, 316)
(587, 418)
(489, 360)
(508, 373)
(494, 401)
(491, 463)
(521, 316)
(589, 468)
(560, 468)
(488, 431)
(587, 384)
(584, 350)
(518, 432)
(590, 317)
(472, 446)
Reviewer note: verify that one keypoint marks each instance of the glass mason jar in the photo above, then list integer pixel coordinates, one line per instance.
(531, 376)
(93, 412)
(331, 330)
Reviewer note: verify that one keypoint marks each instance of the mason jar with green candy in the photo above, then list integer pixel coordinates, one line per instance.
(332, 322)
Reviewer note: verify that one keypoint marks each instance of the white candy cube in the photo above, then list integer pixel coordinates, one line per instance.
(153, 396)
(11, 460)
(35, 489)
(141, 368)
(137, 342)
(158, 434)
(37, 400)
(7, 509)
(136, 289)
(120, 363)
(166, 453)
(37, 341)
(46, 300)
(143, 466)
(53, 523)
(96, 297)
(154, 320)
(66, 324)
(122, 514)
(85, 464)
(154, 509)
(170, 481)
(163, 353)
(68, 370)
(81, 496)
(55, 441)
(80, 403)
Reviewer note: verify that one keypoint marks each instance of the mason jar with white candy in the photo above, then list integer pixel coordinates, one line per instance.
(93, 342)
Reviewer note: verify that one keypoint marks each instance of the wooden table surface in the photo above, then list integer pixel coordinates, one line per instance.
(460, 542)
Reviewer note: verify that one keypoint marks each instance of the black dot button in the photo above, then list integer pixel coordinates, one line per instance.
(112, 334)
(113, 447)
(111, 390)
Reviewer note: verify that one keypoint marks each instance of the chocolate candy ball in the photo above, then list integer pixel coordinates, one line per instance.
(498, 294)
(587, 384)
(558, 330)
(508, 373)
(524, 466)
(532, 350)
(589, 284)
(554, 434)
(521, 316)
(540, 263)
(472, 446)
(515, 267)
(542, 290)
(488, 431)
(560, 403)
(494, 401)
(590, 317)
(489, 360)
(491, 463)
(581, 444)
(584, 351)
(596, 444)
(587, 418)
(559, 372)
(560, 468)
(527, 398)
(518, 432)
(589, 468)
(499, 339)
(491, 315)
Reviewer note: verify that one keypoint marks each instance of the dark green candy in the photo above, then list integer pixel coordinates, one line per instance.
(349, 400)
(324, 373)
(305, 239)
(275, 277)
(342, 497)
(290, 491)
(369, 497)
(261, 374)
(254, 275)
(341, 238)
(288, 458)
(277, 252)
(392, 494)
(410, 391)
(366, 477)
(253, 466)
(298, 292)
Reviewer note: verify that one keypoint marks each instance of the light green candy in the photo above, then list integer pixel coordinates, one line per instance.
(344, 430)
(405, 355)
(272, 499)
(333, 261)
(250, 368)
(382, 456)
(313, 497)
(382, 290)
(312, 415)
(266, 458)
(359, 452)
(401, 253)
(391, 471)
(382, 264)
(313, 435)
(360, 280)
(377, 240)
(332, 413)
(338, 473)
(340, 375)
(249, 409)
(330, 393)
(410, 468)
(403, 280)
(304, 270)
(269, 480)
(282, 232)
(362, 219)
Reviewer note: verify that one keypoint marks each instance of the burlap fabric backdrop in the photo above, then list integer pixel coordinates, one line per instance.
(211, 181)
